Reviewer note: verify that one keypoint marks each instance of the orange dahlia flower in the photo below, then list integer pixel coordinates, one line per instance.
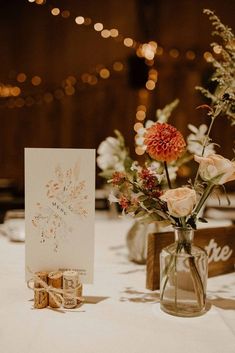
(164, 142)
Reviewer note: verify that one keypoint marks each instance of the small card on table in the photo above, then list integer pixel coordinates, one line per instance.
(60, 210)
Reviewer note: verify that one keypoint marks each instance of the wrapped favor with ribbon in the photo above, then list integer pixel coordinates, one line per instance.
(56, 289)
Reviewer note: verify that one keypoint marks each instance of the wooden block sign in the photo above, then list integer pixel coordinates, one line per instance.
(218, 242)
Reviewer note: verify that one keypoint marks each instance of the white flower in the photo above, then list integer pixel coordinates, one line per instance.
(109, 145)
(112, 198)
(111, 155)
(155, 169)
(149, 123)
(196, 140)
(107, 161)
(155, 166)
(135, 166)
(139, 140)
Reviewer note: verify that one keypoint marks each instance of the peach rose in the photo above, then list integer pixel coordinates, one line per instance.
(180, 201)
(214, 166)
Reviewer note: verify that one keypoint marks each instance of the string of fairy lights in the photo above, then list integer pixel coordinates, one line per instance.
(15, 97)
(68, 86)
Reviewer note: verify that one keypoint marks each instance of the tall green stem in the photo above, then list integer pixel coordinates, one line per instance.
(169, 268)
(167, 175)
(196, 278)
(183, 222)
(203, 199)
(208, 134)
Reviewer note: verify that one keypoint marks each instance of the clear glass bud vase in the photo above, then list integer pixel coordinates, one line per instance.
(183, 276)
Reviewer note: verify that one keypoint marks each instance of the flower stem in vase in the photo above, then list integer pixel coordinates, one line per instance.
(183, 268)
(167, 175)
(169, 268)
(204, 197)
(175, 279)
(196, 278)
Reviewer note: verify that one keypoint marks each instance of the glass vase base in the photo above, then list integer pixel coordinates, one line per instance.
(183, 269)
(182, 310)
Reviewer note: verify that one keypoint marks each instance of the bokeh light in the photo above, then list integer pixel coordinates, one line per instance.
(55, 11)
(36, 80)
(98, 26)
(104, 73)
(79, 20)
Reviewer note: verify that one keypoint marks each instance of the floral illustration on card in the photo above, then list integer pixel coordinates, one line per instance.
(66, 195)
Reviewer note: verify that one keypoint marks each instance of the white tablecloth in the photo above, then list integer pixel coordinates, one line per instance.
(120, 315)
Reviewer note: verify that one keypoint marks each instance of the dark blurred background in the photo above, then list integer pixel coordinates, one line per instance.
(64, 85)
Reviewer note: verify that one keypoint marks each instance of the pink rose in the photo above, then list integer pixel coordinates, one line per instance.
(180, 201)
(216, 167)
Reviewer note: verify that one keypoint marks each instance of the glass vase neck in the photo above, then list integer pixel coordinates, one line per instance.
(183, 235)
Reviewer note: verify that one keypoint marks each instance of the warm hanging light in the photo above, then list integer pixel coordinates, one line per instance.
(98, 26)
(55, 11)
(79, 20)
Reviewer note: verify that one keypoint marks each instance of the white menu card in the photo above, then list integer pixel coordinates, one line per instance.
(60, 210)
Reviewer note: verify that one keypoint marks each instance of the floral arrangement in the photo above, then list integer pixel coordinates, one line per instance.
(145, 191)
(149, 191)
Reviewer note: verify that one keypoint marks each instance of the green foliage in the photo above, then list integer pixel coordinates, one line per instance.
(164, 114)
(223, 99)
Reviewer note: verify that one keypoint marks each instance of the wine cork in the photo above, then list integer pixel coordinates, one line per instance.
(70, 284)
(40, 296)
(55, 279)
